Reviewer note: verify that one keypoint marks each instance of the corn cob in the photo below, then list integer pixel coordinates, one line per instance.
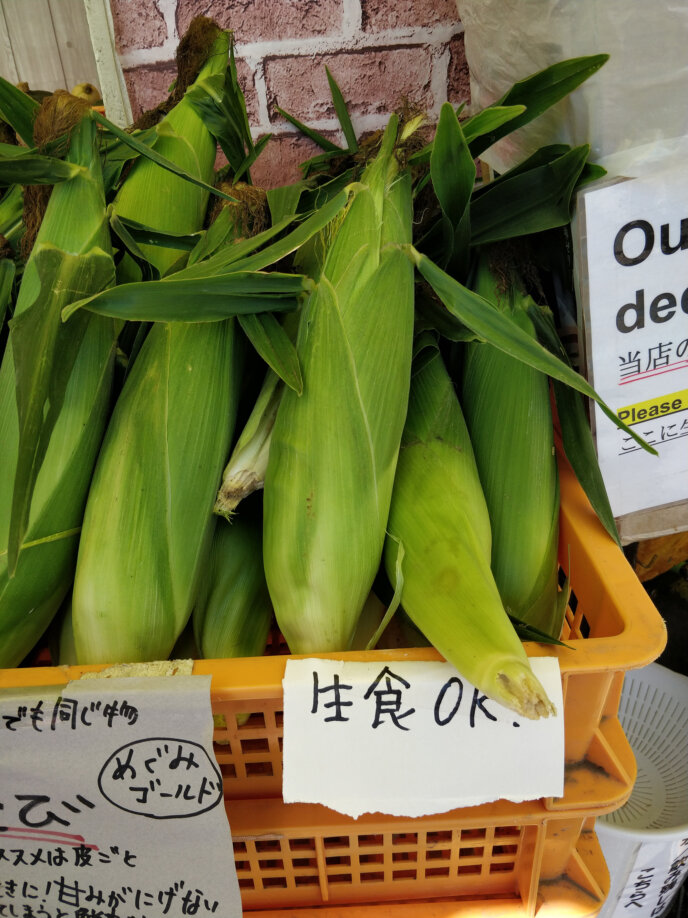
(73, 240)
(439, 518)
(232, 614)
(508, 413)
(148, 519)
(333, 450)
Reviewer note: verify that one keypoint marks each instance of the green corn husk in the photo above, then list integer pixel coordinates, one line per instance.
(439, 526)
(147, 524)
(508, 413)
(11, 207)
(71, 256)
(64, 654)
(148, 519)
(334, 449)
(233, 612)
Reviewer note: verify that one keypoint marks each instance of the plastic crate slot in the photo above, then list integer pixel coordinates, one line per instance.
(502, 866)
(274, 882)
(260, 744)
(245, 883)
(239, 847)
(301, 844)
(404, 838)
(473, 834)
(404, 874)
(376, 876)
(371, 858)
(306, 879)
(242, 866)
(442, 854)
(279, 719)
(465, 869)
(505, 849)
(337, 841)
(436, 872)
(271, 865)
(267, 845)
(471, 852)
(339, 878)
(262, 769)
(228, 769)
(338, 859)
(364, 840)
(439, 837)
(508, 831)
(256, 719)
(305, 863)
(398, 856)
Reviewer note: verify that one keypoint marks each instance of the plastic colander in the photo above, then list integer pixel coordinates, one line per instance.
(645, 842)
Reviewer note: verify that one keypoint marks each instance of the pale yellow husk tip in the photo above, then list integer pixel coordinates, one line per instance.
(517, 687)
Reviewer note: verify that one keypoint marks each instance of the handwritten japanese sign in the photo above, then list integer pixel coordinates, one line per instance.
(655, 876)
(632, 276)
(412, 739)
(111, 802)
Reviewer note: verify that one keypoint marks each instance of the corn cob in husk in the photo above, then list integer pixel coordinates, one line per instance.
(333, 450)
(233, 612)
(508, 413)
(71, 257)
(439, 530)
(148, 519)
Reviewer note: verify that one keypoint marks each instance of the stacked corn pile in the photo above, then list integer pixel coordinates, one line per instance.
(350, 343)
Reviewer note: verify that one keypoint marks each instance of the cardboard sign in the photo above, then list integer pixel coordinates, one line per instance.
(412, 739)
(111, 801)
(632, 276)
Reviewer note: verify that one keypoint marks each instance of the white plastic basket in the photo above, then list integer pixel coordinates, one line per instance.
(645, 842)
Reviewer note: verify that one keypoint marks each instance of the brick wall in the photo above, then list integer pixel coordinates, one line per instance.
(379, 51)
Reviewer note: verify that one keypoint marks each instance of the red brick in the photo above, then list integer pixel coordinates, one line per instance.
(137, 24)
(378, 15)
(279, 162)
(374, 81)
(247, 81)
(266, 20)
(148, 85)
(458, 79)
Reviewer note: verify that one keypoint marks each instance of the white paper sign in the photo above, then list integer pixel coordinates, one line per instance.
(656, 874)
(111, 802)
(412, 739)
(636, 259)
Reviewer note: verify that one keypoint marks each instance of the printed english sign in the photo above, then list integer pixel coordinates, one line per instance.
(633, 282)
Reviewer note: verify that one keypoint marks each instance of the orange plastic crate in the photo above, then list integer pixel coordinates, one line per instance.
(497, 859)
(512, 858)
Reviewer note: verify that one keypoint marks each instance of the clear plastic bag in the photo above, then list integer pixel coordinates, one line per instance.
(633, 111)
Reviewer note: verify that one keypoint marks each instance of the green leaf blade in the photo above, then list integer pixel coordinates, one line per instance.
(541, 91)
(529, 202)
(342, 111)
(18, 109)
(204, 299)
(495, 327)
(275, 347)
